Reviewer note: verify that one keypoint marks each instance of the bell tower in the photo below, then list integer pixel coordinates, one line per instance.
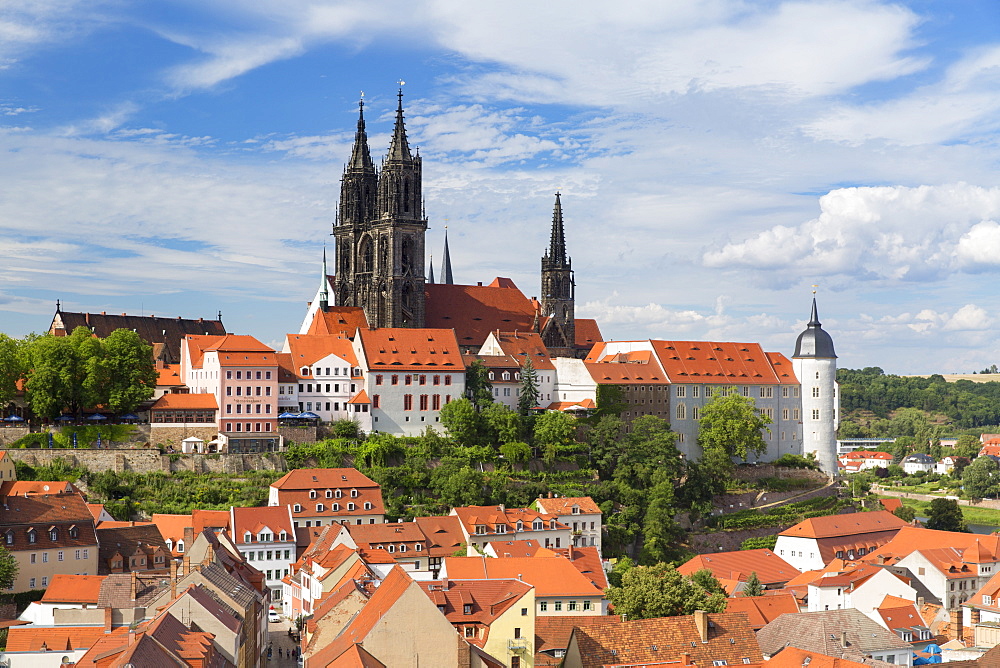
(558, 291)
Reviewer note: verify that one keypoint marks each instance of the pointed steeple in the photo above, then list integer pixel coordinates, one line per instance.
(324, 286)
(360, 157)
(557, 244)
(446, 275)
(399, 149)
(814, 316)
(814, 341)
(430, 270)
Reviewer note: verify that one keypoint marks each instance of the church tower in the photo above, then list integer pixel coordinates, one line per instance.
(558, 291)
(380, 232)
(815, 364)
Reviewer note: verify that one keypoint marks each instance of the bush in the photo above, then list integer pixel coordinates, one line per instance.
(796, 462)
(759, 543)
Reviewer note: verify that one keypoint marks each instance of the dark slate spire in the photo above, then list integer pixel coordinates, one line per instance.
(814, 341)
(360, 157)
(430, 270)
(324, 286)
(556, 254)
(399, 149)
(446, 276)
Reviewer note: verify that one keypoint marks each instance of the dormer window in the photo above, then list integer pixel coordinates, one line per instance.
(305, 371)
(354, 493)
(53, 534)
(520, 525)
(283, 536)
(335, 507)
(402, 548)
(319, 507)
(368, 505)
(500, 528)
(312, 494)
(247, 537)
(467, 609)
(329, 493)
(338, 493)
(537, 525)
(480, 529)
(419, 547)
(351, 506)
(576, 510)
(170, 544)
(180, 546)
(297, 508)
(552, 524)
(264, 537)
(32, 536)
(392, 548)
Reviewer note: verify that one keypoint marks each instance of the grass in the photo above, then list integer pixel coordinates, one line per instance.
(972, 515)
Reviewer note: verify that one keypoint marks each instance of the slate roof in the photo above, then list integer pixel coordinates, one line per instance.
(666, 639)
(821, 632)
(151, 329)
(125, 540)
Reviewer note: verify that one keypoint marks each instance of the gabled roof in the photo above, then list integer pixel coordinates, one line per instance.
(19, 514)
(486, 599)
(563, 505)
(73, 589)
(126, 540)
(624, 368)
(552, 632)
(587, 560)
(551, 576)
(822, 632)
(322, 479)
(403, 349)
(974, 548)
(901, 617)
(493, 516)
(525, 345)
(355, 656)
(306, 350)
(233, 350)
(474, 311)
(770, 568)
(274, 518)
(721, 362)
(664, 639)
(761, 610)
(169, 375)
(989, 591)
(54, 638)
(366, 535)
(341, 321)
(22, 487)
(851, 524)
(443, 533)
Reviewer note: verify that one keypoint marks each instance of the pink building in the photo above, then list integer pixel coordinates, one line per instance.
(242, 374)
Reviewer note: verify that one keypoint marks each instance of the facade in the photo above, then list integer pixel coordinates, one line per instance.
(580, 514)
(864, 460)
(320, 497)
(862, 588)
(242, 374)
(265, 537)
(409, 375)
(918, 461)
(327, 379)
(813, 543)
(484, 524)
(815, 364)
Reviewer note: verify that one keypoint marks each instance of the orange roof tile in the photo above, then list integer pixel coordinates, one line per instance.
(277, 519)
(360, 398)
(342, 321)
(22, 487)
(770, 568)
(474, 311)
(443, 533)
(761, 610)
(563, 505)
(186, 402)
(850, 524)
(487, 599)
(525, 345)
(793, 657)
(551, 576)
(54, 638)
(910, 539)
(627, 368)
(73, 589)
(169, 376)
(306, 350)
(716, 362)
(403, 349)
(508, 518)
(891, 505)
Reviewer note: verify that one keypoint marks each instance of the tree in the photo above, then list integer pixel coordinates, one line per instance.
(753, 587)
(516, 452)
(478, 387)
(129, 375)
(461, 421)
(501, 423)
(660, 591)
(11, 368)
(707, 581)
(980, 478)
(967, 446)
(553, 429)
(905, 513)
(661, 533)
(528, 398)
(732, 426)
(8, 569)
(945, 515)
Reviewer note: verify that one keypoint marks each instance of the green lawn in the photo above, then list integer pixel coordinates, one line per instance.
(972, 515)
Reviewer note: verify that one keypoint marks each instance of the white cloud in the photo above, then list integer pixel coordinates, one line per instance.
(883, 233)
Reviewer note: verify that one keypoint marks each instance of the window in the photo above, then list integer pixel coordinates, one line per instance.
(558, 606)
(368, 505)
(784, 413)
(423, 401)
(319, 507)
(407, 401)
(815, 414)
(500, 528)
(586, 605)
(470, 632)
(695, 413)
(31, 583)
(32, 536)
(680, 391)
(543, 606)
(815, 392)
(312, 493)
(45, 557)
(681, 412)
(180, 548)
(9, 537)
(329, 493)
(696, 391)
(351, 506)
(354, 493)
(376, 401)
(571, 606)
(297, 508)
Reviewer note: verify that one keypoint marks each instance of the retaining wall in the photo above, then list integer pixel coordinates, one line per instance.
(150, 461)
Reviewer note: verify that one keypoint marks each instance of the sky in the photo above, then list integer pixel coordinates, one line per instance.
(717, 159)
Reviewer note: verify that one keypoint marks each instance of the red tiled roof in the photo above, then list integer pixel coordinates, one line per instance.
(338, 321)
(770, 568)
(169, 376)
(761, 610)
(443, 533)
(522, 346)
(402, 349)
(306, 350)
(716, 362)
(295, 486)
(563, 505)
(638, 366)
(488, 599)
(276, 519)
(360, 398)
(22, 487)
(55, 639)
(366, 535)
(551, 576)
(850, 524)
(186, 401)
(910, 539)
(73, 589)
(492, 516)
(587, 560)
(891, 505)
(793, 657)
(474, 311)
(552, 632)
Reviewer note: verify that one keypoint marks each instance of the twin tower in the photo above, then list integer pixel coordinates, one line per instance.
(380, 228)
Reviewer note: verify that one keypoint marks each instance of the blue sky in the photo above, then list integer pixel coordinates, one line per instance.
(717, 158)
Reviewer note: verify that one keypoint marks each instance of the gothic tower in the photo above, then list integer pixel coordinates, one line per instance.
(815, 364)
(380, 233)
(558, 291)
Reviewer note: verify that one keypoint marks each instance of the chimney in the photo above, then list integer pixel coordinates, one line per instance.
(107, 620)
(920, 601)
(843, 639)
(131, 637)
(479, 283)
(173, 579)
(956, 624)
(701, 622)
(209, 555)
(133, 586)
(686, 659)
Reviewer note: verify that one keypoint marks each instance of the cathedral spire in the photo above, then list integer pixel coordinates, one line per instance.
(446, 276)
(399, 149)
(360, 157)
(324, 285)
(430, 270)
(557, 245)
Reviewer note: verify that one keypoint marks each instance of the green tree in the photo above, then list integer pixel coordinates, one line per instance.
(8, 569)
(705, 579)
(478, 387)
(457, 486)
(129, 375)
(967, 446)
(604, 442)
(945, 515)
(461, 421)
(648, 450)
(905, 513)
(528, 398)
(348, 429)
(730, 426)
(753, 587)
(11, 368)
(553, 429)
(516, 452)
(501, 423)
(622, 566)
(661, 533)
(660, 591)
(980, 478)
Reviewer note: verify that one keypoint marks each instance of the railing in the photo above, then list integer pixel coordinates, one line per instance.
(517, 644)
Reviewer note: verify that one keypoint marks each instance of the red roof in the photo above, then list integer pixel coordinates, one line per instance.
(524, 345)
(443, 533)
(186, 402)
(402, 349)
(73, 589)
(563, 505)
(551, 576)
(717, 362)
(761, 610)
(849, 524)
(486, 599)
(306, 350)
(54, 638)
(275, 519)
(338, 321)
(474, 311)
(296, 487)
(770, 568)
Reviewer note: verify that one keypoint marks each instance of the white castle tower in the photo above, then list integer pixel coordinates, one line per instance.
(815, 364)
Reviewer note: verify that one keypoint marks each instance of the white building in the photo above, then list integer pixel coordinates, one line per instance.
(580, 514)
(918, 461)
(815, 363)
(265, 537)
(813, 543)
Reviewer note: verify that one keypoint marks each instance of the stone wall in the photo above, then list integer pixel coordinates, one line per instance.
(170, 435)
(758, 471)
(305, 434)
(150, 461)
(10, 434)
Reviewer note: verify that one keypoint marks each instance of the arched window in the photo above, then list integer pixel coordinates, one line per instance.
(312, 493)
(329, 493)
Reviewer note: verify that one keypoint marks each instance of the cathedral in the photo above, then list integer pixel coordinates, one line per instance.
(379, 266)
